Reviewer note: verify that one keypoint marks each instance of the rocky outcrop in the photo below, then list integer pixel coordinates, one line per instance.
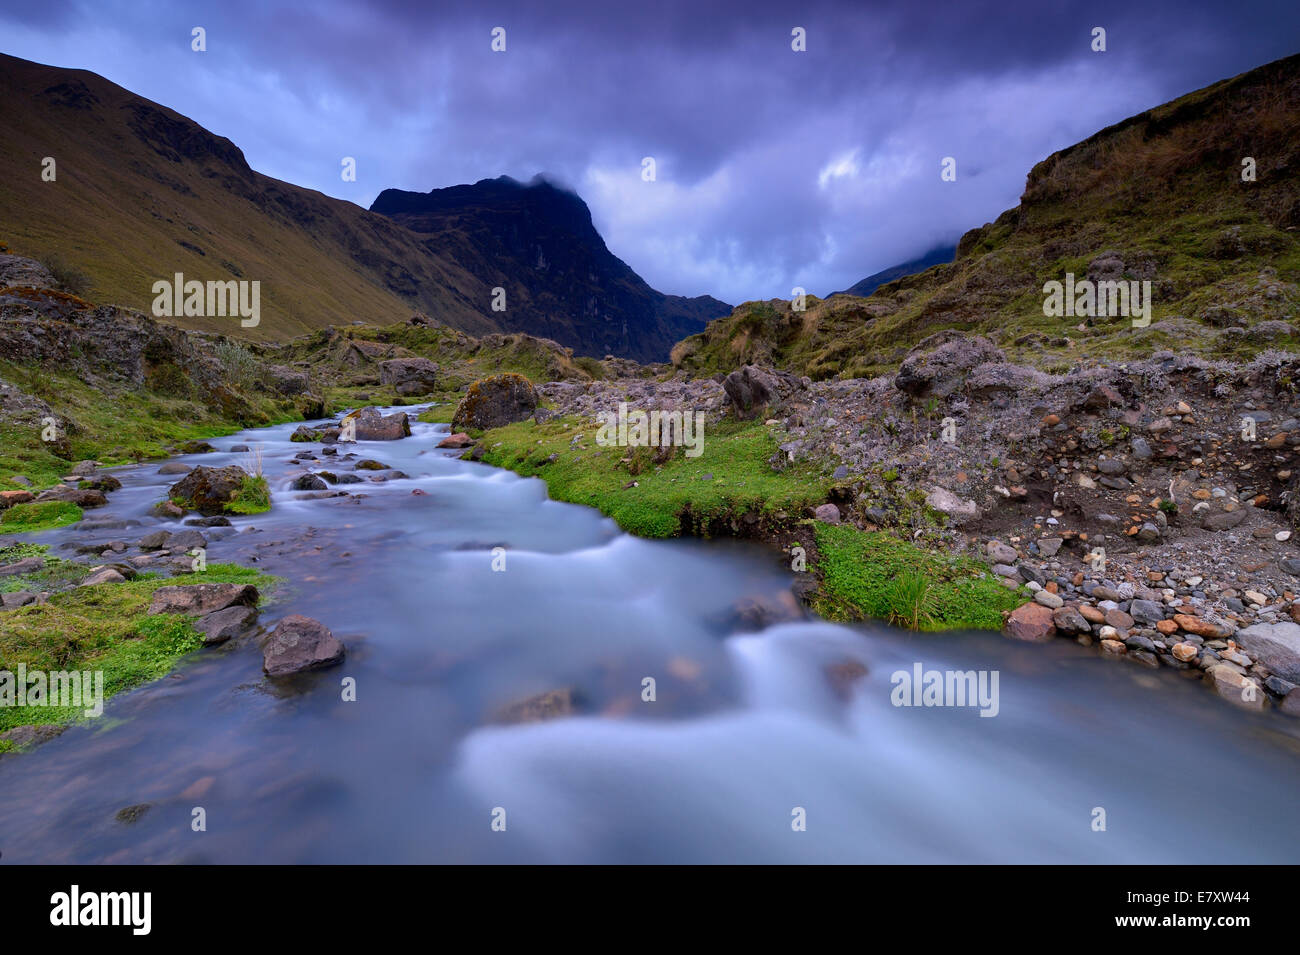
(940, 364)
(409, 376)
(753, 390)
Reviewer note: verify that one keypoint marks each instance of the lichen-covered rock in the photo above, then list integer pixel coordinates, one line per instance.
(495, 402)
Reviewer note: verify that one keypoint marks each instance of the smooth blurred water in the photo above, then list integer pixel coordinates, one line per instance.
(745, 728)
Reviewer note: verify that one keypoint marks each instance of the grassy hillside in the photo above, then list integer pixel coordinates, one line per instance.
(141, 193)
(1162, 192)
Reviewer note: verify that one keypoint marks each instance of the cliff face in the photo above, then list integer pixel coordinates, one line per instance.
(537, 242)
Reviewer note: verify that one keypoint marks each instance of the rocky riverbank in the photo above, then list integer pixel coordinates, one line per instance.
(1147, 507)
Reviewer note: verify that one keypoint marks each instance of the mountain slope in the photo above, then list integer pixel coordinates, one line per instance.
(936, 256)
(538, 243)
(1158, 197)
(142, 193)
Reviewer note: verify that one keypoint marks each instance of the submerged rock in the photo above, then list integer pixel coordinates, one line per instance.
(535, 709)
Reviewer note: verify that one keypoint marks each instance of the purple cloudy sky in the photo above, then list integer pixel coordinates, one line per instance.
(775, 168)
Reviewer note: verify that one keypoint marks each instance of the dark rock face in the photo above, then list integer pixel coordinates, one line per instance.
(307, 482)
(208, 490)
(202, 599)
(931, 371)
(494, 402)
(409, 376)
(299, 644)
(564, 283)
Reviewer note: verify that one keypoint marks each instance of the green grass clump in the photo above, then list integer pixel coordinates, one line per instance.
(675, 495)
(438, 414)
(38, 516)
(105, 627)
(871, 575)
(253, 496)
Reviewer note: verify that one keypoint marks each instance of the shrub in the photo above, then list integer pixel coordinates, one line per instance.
(241, 365)
(70, 278)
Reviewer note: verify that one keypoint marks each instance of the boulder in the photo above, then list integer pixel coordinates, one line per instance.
(495, 402)
(958, 509)
(287, 380)
(105, 575)
(752, 389)
(220, 625)
(1032, 622)
(1275, 645)
(183, 541)
(307, 482)
(10, 498)
(827, 513)
(409, 376)
(930, 371)
(27, 565)
(298, 644)
(461, 440)
(74, 495)
(202, 599)
(1235, 687)
(372, 425)
(208, 490)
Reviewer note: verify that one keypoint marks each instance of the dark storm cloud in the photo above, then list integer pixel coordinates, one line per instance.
(775, 168)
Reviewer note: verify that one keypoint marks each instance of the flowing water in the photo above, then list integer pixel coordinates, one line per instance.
(747, 733)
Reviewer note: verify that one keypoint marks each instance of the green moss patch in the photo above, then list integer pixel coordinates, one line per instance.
(871, 575)
(38, 516)
(105, 627)
(673, 494)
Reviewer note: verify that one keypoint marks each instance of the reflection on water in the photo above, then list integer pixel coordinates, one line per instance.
(745, 728)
